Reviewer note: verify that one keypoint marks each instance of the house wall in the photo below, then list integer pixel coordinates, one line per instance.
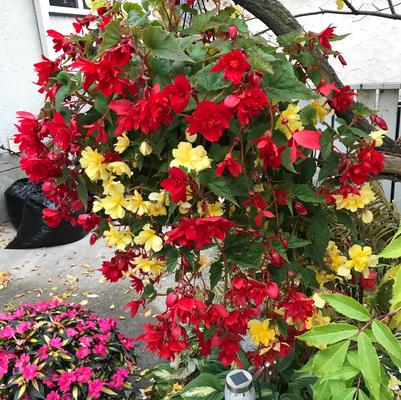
(20, 49)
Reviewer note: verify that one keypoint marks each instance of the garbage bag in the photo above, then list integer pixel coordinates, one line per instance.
(25, 202)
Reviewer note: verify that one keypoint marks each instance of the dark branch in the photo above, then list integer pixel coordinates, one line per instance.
(391, 6)
(356, 13)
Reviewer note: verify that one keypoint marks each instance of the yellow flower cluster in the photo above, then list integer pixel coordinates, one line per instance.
(360, 259)
(152, 265)
(321, 111)
(260, 332)
(121, 238)
(353, 202)
(193, 159)
(290, 121)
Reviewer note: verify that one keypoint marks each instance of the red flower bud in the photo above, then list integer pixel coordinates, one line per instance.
(93, 239)
(300, 209)
(171, 300)
(232, 31)
(342, 60)
(276, 259)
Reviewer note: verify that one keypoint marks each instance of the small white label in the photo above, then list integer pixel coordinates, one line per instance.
(12, 145)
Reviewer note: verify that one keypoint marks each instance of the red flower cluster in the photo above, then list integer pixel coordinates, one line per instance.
(149, 113)
(209, 119)
(176, 184)
(199, 232)
(230, 162)
(234, 64)
(247, 103)
(342, 98)
(269, 151)
(369, 162)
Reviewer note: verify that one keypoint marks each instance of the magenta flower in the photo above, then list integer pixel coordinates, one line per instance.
(7, 332)
(95, 388)
(83, 352)
(83, 374)
(56, 343)
(66, 380)
(53, 396)
(29, 371)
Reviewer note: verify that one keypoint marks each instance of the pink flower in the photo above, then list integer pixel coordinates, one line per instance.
(100, 349)
(95, 388)
(23, 327)
(3, 366)
(71, 332)
(66, 380)
(7, 332)
(83, 374)
(29, 372)
(53, 396)
(83, 352)
(43, 352)
(22, 362)
(56, 343)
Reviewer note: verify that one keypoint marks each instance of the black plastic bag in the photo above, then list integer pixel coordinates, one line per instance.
(25, 202)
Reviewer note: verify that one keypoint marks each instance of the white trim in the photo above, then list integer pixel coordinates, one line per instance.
(57, 10)
(43, 21)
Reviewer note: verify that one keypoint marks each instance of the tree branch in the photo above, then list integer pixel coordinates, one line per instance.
(391, 6)
(356, 13)
(276, 17)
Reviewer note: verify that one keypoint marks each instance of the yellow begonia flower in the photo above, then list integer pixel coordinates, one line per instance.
(367, 216)
(137, 204)
(148, 238)
(114, 205)
(334, 259)
(361, 258)
(290, 121)
(353, 202)
(119, 168)
(322, 278)
(316, 319)
(122, 143)
(184, 207)
(92, 162)
(113, 188)
(193, 159)
(319, 302)
(117, 238)
(260, 332)
(161, 197)
(377, 136)
(321, 111)
(152, 265)
(340, 4)
(210, 209)
(156, 209)
(145, 148)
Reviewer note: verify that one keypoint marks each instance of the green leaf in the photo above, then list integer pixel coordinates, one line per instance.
(319, 234)
(210, 81)
(362, 395)
(388, 341)
(321, 389)
(203, 387)
(344, 374)
(216, 272)
(392, 250)
(61, 94)
(369, 364)
(249, 257)
(330, 359)
(329, 166)
(329, 334)
(172, 259)
(396, 297)
(305, 193)
(326, 143)
(101, 104)
(82, 191)
(283, 85)
(347, 394)
(260, 60)
(347, 306)
(111, 35)
(163, 44)
(296, 242)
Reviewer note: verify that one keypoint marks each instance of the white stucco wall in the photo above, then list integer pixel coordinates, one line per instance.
(20, 49)
(373, 48)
